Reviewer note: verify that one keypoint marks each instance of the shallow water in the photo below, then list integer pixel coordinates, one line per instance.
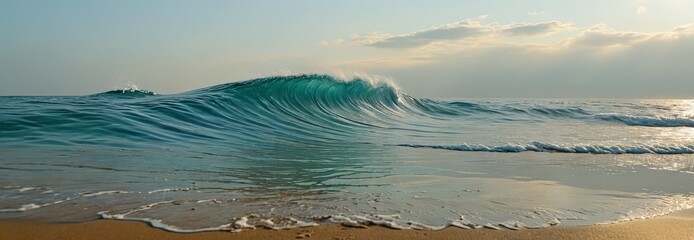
(311, 149)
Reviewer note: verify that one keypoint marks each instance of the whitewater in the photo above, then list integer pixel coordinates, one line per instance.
(305, 150)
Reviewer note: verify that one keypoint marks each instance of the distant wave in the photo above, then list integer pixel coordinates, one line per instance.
(649, 121)
(127, 92)
(548, 147)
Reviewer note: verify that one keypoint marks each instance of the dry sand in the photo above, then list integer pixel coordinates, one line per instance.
(671, 227)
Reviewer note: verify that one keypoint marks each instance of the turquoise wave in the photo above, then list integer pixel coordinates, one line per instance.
(307, 109)
(313, 108)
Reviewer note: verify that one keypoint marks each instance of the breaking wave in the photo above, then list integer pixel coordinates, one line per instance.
(560, 148)
(315, 109)
(649, 121)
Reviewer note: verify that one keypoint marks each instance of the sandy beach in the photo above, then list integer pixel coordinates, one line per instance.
(672, 227)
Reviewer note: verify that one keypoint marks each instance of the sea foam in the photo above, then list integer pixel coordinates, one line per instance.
(563, 148)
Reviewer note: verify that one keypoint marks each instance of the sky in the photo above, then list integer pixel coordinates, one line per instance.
(436, 49)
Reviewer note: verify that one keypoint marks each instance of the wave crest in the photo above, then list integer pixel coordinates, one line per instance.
(127, 92)
(321, 91)
(561, 148)
(649, 121)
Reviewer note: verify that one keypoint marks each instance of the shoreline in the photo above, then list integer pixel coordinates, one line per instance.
(678, 225)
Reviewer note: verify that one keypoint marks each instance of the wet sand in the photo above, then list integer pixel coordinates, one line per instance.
(674, 227)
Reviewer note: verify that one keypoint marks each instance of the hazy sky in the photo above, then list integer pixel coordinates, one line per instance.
(591, 48)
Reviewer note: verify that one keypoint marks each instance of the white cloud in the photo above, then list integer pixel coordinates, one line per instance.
(641, 10)
(537, 13)
(492, 60)
(601, 35)
(598, 61)
(454, 31)
(369, 38)
(657, 66)
(457, 31)
(684, 29)
(536, 29)
(336, 42)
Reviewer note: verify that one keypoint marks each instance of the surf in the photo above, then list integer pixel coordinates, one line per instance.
(306, 109)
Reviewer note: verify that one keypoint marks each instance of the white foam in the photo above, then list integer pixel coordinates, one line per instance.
(550, 217)
(31, 206)
(346, 221)
(459, 224)
(422, 226)
(381, 220)
(513, 225)
(373, 80)
(209, 201)
(267, 223)
(242, 223)
(562, 148)
(170, 190)
(554, 222)
(90, 194)
(157, 223)
(464, 223)
(105, 215)
(239, 224)
(390, 221)
(23, 208)
(24, 189)
(665, 206)
(491, 226)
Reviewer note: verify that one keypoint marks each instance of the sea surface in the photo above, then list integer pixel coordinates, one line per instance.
(306, 150)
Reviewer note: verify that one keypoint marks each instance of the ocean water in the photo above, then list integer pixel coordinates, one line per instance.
(305, 150)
